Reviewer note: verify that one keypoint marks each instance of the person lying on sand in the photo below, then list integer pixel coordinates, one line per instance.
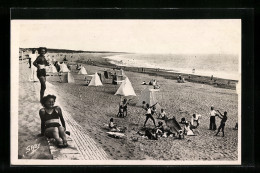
(50, 116)
(162, 115)
(222, 123)
(144, 83)
(149, 113)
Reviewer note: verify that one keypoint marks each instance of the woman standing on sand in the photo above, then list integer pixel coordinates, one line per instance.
(40, 63)
(50, 116)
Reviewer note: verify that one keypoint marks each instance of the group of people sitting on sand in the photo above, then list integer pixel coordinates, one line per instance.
(180, 79)
(153, 82)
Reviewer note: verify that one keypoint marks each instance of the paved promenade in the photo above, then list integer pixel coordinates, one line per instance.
(81, 146)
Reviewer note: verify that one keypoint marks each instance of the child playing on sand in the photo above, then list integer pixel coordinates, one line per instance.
(222, 123)
(153, 111)
(120, 111)
(195, 118)
(159, 128)
(125, 103)
(187, 130)
(162, 115)
(50, 116)
(143, 105)
(149, 113)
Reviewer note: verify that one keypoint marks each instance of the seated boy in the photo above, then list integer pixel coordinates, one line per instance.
(162, 115)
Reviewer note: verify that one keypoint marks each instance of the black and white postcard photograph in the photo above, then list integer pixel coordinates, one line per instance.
(126, 92)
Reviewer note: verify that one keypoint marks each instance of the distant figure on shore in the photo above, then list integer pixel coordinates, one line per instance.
(40, 63)
(29, 60)
(212, 123)
(222, 123)
(149, 114)
(50, 116)
(114, 79)
(211, 78)
(236, 126)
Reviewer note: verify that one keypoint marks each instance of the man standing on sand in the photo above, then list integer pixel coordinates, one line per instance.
(195, 118)
(212, 123)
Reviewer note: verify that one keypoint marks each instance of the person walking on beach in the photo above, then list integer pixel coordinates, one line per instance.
(50, 116)
(222, 123)
(212, 123)
(149, 114)
(40, 63)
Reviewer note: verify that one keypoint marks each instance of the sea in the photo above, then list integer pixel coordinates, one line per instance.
(225, 66)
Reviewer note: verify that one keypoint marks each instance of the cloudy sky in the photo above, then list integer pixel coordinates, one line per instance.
(139, 36)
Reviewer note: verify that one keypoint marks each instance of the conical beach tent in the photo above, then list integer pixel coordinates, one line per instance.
(125, 89)
(95, 81)
(68, 78)
(64, 68)
(149, 96)
(82, 71)
(174, 125)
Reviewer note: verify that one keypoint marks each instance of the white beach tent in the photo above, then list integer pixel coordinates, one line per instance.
(125, 89)
(82, 71)
(148, 95)
(68, 78)
(95, 81)
(64, 68)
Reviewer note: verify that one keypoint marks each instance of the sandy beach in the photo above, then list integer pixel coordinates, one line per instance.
(92, 107)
